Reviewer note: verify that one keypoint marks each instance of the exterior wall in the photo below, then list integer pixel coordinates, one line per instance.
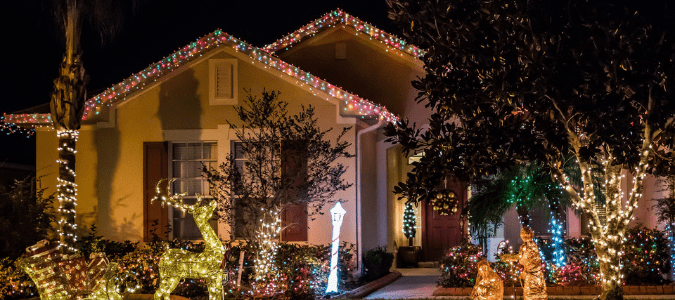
(368, 69)
(110, 160)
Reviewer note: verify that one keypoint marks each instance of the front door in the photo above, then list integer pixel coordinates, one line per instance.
(443, 232)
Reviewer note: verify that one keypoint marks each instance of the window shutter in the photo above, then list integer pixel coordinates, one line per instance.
(294, 219)
(224, 84)
(155, 167)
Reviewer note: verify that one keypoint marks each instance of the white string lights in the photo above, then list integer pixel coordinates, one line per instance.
(66, 190)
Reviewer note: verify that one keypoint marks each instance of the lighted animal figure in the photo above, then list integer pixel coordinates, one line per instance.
(489, 285)
(177, 264)
(534, 285)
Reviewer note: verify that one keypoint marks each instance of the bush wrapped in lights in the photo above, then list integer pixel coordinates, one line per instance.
(646, 257)
(459, 265)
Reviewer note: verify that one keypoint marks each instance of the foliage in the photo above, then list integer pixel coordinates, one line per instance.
(524, 185)
(665, 206)
(303, 269)
(646, 260)
(14, 282)
(288, 161)
(26, 214)
(521, 80)
(376, 263)
(94, 243)
(460, 265)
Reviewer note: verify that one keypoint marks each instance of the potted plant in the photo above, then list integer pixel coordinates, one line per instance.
(411, 255)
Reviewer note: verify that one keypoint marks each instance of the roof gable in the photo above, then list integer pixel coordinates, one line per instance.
(195, 50)
(339, 17)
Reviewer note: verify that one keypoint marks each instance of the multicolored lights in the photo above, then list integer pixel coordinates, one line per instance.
(339, 17)
(195, 50)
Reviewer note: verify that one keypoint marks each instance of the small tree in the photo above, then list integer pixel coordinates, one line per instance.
(533, 80)
(283, 161)
(409, 225)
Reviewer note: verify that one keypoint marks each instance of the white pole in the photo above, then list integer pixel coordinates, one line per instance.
(337, 213)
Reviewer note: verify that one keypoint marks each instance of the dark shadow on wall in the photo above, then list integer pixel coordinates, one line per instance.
(107, 142)
(179, 103)
(180, 108)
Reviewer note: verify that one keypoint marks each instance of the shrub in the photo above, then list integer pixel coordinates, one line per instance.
(459, 266)
(646, 258)
(26, 214)
(376, 263)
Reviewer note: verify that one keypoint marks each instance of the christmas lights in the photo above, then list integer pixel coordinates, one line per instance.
(176, 264)
(556, 230)
(339, 17)
(62, 276)
(267, 236)
(409, 228)
(66, 189)
(195, 50)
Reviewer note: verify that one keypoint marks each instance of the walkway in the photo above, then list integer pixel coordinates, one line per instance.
(414, 284)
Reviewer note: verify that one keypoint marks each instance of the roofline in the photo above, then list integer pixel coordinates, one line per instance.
(194, 50)
(339, 17)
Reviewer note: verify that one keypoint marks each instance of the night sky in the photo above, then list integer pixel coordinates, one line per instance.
(32, 49)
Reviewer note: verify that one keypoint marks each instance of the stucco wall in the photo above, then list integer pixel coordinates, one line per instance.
(110, 160)
(368, 69)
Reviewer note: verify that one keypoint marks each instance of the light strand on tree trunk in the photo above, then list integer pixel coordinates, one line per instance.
(66, 191)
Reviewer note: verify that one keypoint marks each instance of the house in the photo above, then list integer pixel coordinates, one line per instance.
(167, 119)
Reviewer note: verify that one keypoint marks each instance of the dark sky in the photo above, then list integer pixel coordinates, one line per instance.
(32, 50)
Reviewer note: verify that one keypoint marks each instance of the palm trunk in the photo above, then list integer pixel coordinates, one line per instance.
(67, 107)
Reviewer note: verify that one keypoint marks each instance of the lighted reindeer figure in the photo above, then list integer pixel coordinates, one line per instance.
(177, 264)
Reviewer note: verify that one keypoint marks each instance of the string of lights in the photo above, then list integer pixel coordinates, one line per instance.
(138, 81)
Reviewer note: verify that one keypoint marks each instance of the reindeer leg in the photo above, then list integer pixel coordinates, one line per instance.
(166, 285)
(216, 286)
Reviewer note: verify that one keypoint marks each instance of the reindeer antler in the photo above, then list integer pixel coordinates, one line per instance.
(175, 200)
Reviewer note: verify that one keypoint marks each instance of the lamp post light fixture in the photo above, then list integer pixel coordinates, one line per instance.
(337, 213)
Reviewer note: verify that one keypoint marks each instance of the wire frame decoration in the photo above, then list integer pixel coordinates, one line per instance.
(445, 202)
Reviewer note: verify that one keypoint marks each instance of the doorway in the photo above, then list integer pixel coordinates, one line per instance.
(441, 232)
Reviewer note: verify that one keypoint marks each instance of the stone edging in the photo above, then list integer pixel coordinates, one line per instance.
(370, 287)
(570, 290)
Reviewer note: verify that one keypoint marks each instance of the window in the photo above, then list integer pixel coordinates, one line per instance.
(223, 82)
(187, 161)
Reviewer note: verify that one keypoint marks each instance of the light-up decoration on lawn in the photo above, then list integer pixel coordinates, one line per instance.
(61, 276)
(339, 17)
(337, 213)
(489, 286)
(534, 285)
(195, 50)
(177, 264)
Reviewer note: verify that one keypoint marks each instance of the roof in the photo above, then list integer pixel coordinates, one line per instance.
(192, 51)
(339, 17)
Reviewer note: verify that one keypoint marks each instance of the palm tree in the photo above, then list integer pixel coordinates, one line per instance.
(69, 95)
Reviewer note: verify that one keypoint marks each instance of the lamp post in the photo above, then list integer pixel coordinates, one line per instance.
(337, 212)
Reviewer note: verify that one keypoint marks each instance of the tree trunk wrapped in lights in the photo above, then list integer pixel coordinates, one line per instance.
(67, 107)
(267, 238)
